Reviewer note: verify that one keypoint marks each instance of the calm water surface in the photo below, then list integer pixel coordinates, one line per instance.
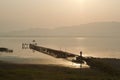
(91, 46)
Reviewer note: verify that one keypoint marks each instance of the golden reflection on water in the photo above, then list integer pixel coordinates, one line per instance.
(37, 58)
(95, 47)
(80, 38)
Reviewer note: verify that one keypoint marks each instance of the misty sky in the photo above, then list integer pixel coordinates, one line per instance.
(18, 14)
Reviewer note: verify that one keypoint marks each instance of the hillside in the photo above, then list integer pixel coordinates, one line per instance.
(91, 29)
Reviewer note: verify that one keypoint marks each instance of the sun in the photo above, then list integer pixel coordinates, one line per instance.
(80, 2)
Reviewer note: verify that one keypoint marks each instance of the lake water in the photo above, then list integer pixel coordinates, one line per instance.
(90, 46)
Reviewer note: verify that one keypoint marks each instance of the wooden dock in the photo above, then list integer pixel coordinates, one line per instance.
(52, 52)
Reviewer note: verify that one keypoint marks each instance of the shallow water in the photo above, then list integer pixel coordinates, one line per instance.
(91, 46)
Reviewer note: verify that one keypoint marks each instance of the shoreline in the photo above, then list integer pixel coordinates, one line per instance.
(11, 71)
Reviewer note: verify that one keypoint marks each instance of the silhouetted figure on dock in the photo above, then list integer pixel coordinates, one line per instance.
(80, 53)
(79, 59)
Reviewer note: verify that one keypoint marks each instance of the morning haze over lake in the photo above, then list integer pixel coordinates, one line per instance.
(90, 26)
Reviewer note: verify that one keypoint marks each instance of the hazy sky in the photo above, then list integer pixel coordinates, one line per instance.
(55, 13)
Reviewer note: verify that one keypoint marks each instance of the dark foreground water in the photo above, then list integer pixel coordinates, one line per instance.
(91, 46)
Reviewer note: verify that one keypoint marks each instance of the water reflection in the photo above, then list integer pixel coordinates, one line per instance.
(91, 46)
(39, 58)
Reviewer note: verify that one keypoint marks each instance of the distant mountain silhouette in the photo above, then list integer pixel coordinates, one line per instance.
(90, 29)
